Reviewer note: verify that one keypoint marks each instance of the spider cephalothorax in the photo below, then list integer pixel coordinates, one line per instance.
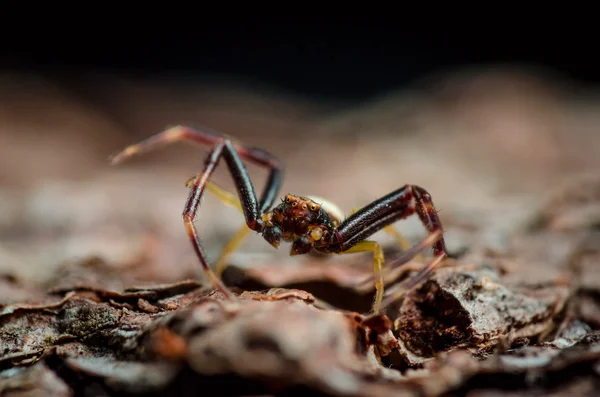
(306, 222)
(299, 220)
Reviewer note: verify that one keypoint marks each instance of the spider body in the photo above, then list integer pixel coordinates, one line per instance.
(299, 220)
(306, 222)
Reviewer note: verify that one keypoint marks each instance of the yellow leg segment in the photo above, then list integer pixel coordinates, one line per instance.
(222, 194)
(402, 242)
(378, 260)
(240, 235)
(231, 246)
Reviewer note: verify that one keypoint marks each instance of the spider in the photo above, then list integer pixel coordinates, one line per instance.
(308, 223)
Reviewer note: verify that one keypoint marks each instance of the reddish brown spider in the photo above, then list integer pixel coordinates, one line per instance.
(308, 223)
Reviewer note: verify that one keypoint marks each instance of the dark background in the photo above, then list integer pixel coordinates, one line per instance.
(341, 61)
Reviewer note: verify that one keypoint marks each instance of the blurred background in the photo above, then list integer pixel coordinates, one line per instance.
(490, 123)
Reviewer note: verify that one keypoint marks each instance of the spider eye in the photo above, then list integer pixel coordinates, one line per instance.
(294, 204)
(304, 207)
(313, 207)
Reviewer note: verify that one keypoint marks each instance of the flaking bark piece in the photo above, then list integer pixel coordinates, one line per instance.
(167, 290)
(90, 274)
(339, 283)
(27, 334)
(289, 343)
(125, 376)
(277, 294)
(167, 336)
(275, 337)
(566, 364)
(149, 293)
(468, 307)
(93, 338)
(544, 367)
(35, 381)
(447, 372)
(46, 304)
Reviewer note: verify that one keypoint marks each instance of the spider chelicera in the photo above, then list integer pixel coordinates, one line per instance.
(308, 223)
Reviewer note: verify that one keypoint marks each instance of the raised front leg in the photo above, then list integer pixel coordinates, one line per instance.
(251, 207)
(206, 137)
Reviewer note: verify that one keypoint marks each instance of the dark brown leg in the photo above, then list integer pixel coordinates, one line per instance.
(233, 156)
(429, 217)
(206, 137)
(395, 206)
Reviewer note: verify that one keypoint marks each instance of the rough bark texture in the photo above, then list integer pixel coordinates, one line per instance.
(101, 295)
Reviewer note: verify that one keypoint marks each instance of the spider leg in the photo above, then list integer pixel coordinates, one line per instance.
(395, 269)
(239, 236)
(222, 194)
(398, 291)
(234, 243)
(396, 235)
(245, 190)
(181, 133)
(383, 212)
(378, 259)
(233, 154)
